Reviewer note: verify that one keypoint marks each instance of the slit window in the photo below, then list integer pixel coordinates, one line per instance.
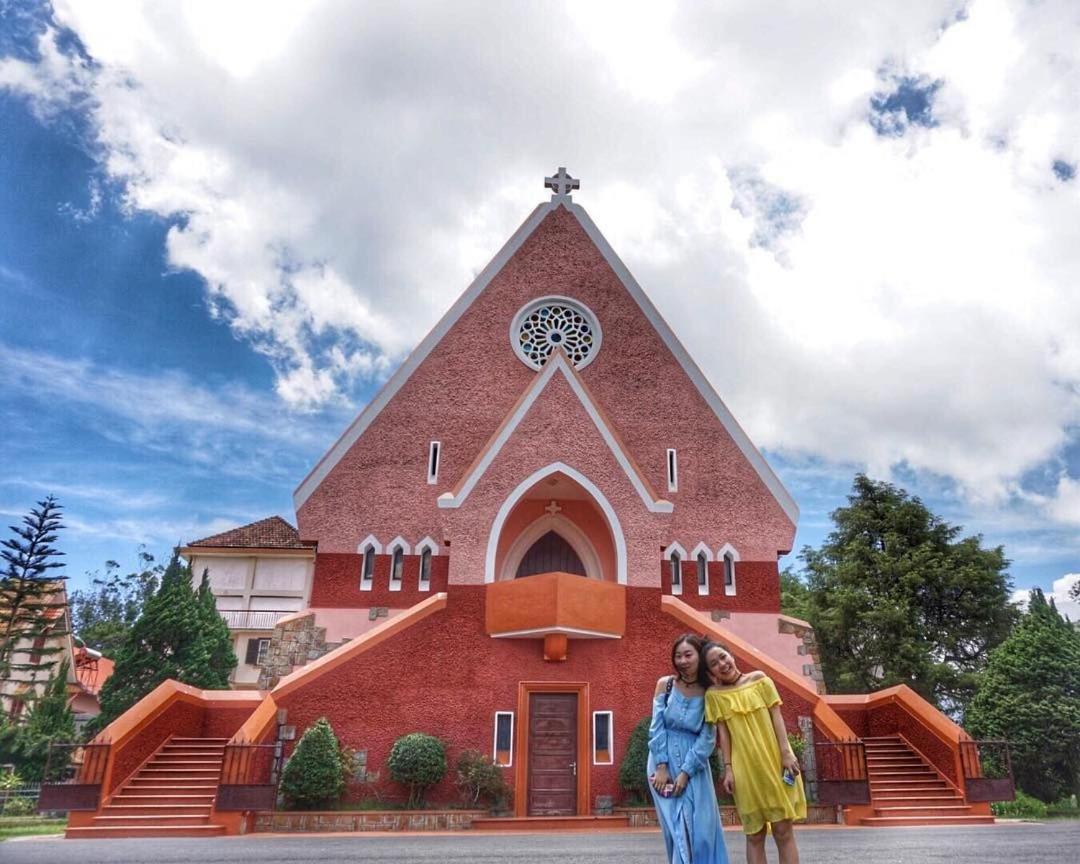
(397, 565)
(367, 570)
(425, 570)
(729, 573)
(503, 748)
(433, 462)
(676, 573)
(602, 737)
(672, 471)
(702, 573)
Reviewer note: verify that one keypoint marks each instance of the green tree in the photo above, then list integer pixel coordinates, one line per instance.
(1030, 695)
(314, 776)
(794, 595)
(898, 597)
(50, 719)
(102, 617)
(32, 603)
(634, 766)
(173, 638)
(417, 760)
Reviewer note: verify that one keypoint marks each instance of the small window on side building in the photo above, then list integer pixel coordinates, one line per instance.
(602, 738)
(503, 749)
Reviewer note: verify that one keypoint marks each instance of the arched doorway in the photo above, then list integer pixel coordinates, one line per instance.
(550, 554)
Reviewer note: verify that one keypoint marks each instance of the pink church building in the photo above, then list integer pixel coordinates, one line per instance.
(499, 551)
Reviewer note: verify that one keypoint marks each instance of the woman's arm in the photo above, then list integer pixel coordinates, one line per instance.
(787, 757)
(658, 736)
(724, 737)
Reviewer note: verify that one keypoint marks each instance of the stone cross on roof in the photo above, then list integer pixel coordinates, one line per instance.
(562, 183)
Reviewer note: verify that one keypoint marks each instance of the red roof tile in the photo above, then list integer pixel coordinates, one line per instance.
(271, 533)
(92, 672)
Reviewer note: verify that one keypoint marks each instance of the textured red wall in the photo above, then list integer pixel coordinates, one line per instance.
(337, 581)
(857, 718)
(757, 586)
(448, 678)
(180, 718)
(221, 722)
(891, 719)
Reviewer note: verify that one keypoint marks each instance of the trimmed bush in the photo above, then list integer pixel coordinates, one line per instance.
(635, 764)
(313, 778)
(418, 761)
(1024, 807)
(481, 780)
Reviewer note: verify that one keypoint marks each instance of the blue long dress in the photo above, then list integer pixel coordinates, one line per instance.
(680, 737)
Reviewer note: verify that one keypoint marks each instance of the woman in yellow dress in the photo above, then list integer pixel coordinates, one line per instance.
(760, 770)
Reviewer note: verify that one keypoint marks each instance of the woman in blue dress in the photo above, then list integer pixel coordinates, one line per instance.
(680, 743)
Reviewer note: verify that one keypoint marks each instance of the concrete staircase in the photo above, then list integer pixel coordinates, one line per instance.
(906, 790)
(170, 795)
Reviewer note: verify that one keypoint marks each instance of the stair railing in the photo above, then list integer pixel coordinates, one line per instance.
(987, 768)
(249, 777)
(842, 777)
(73, 776)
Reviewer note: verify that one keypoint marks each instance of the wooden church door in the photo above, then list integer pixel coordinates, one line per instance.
(553, 754)
(549, 554)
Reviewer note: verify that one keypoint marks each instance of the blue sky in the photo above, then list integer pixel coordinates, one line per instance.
(214, 249)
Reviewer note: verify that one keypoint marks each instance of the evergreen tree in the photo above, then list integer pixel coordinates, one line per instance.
(1030, 695)
(168, 641)
(314, 776)
(50, 719)
(103, 616)
(32, 603)
(794, 595)
(897, 596)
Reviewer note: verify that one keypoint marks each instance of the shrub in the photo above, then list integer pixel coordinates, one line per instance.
(417, 760)
(635, 764)
(798, 746)
(313, 778)
(1024, 807)
(19, 806)
(481, 780)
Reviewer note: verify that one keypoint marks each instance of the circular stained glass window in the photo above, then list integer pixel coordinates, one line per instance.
(555, 322)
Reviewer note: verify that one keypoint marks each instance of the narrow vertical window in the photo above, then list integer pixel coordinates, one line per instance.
(602, 737)
(672, 471)
(367, 571)
(702, 573)
(503, 749)
(397, 565)
(433, 462)
(729, 573)
(676, 573)
(425, 570)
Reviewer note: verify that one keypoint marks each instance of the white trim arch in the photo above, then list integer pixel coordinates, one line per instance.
(565, 528)
(370, 540)
(701, 547)
(727, 548)
(675, 547)
(697, 555)
(614, 526)
(726, 551)
(426, 543)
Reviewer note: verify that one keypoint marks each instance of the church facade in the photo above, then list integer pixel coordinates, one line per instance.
(502, 546)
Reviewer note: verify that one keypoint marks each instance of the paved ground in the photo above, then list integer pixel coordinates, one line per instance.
(1007, 843)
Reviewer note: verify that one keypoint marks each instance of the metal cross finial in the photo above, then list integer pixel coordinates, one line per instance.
(562, 183)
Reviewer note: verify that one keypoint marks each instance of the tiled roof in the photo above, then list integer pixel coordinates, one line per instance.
(91, 673)
(271, 533)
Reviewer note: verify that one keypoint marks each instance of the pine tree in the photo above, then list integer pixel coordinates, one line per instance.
(314, 776)
(50, 719)
(896, 596)
(173, 638)
(1030, 695)
(32, 604)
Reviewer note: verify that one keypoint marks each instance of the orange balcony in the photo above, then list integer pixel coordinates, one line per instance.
(555, 607)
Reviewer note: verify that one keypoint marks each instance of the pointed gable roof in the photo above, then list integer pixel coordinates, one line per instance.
(420, 353)
(557, 363)
(270, 533)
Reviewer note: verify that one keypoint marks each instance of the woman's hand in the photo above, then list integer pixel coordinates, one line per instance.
(660, 777)
(728, 783)
(680, 783)
(790, 763)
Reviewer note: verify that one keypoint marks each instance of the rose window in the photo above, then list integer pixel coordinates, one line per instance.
(555, 322)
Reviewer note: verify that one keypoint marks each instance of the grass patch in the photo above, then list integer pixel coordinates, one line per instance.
(29, 826)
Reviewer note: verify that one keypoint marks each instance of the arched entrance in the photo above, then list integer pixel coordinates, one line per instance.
(556, 520)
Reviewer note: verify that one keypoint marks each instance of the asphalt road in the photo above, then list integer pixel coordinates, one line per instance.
(1014, 843)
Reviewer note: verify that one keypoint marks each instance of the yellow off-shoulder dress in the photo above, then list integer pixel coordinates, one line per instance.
(761, 796)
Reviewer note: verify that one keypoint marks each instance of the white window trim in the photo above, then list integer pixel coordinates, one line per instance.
(495, 739)
(395, 545)
(610, 737)
(726, 550)
(671, 466)
(369, 542)
(426, 543)
(423, 584)
(675, 549)
(434, 455)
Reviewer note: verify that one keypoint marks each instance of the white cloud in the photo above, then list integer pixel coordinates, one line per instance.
(1059, 593)
(343, 172)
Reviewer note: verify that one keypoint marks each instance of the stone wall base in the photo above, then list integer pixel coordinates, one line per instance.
(645, 817)
(299, 821)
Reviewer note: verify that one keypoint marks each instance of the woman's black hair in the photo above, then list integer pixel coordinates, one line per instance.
(697, 643)
(706, 646)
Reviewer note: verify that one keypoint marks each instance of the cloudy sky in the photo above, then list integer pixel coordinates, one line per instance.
(223, 224)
